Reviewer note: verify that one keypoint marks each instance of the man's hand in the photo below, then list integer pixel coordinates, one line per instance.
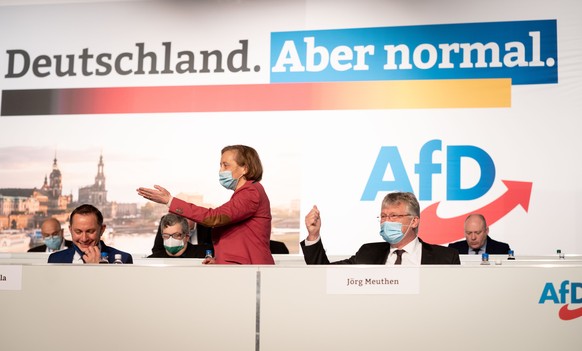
(158, 194)
(313, 224)
(92, 254)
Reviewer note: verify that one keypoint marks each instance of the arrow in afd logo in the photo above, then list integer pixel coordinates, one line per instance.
(567, 314)
(445, 230)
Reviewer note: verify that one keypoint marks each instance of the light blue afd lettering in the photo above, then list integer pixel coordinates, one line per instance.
(549, 293)
(454, 155)
(425, 168)
(388, 156)
(575, 287)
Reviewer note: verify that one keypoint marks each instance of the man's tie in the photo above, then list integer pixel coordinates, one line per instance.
(477, 251)
(399, 256)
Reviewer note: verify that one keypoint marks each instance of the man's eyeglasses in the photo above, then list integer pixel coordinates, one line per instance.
(50, 235)
(177, 236)
(391, 217)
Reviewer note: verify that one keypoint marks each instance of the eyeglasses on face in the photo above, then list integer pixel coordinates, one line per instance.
(177, 236)
(392, 217)
(50, 235)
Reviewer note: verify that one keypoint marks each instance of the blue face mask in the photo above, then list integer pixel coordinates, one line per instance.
(226, 180)
(391, 232)
(54, 242)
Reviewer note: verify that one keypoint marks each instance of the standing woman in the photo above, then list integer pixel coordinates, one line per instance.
(242, 226)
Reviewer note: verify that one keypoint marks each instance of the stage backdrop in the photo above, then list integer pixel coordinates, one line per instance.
(471, 105)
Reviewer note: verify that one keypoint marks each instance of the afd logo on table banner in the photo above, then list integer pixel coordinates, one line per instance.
(525, 51)
(568, 294)
(445, 230)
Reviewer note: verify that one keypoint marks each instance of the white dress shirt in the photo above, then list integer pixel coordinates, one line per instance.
(411, 256)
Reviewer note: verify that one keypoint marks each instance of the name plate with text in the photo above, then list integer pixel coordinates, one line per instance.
(386, 280)
(10, 277)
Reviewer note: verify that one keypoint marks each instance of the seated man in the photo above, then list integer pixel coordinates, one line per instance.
(399, 211)
(175, 233)
(477, 238)
(54, 239)
(278, 247)
(86, 227)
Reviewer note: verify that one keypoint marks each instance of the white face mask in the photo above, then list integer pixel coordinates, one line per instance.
(173, 245)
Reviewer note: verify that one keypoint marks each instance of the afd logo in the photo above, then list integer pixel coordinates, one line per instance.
(525, 51)
(445, 230)
(567, 289)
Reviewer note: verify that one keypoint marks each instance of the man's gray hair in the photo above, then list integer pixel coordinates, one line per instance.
(171, 219)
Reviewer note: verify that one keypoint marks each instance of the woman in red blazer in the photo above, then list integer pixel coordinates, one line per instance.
(242, 226)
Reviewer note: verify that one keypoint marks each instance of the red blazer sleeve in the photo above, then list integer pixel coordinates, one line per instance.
(242, 205)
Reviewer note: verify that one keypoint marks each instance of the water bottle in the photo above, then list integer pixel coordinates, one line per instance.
(104, 258)
(117, 259)
(510, 255)
(485, 258)
(208, 254)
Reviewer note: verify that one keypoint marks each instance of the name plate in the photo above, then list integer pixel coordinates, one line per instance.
(10, 277)
(386, 280)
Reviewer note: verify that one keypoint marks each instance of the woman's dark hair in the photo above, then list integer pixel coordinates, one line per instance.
(85, 210)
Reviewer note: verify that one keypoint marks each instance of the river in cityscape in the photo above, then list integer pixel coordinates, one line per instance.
(139, 244)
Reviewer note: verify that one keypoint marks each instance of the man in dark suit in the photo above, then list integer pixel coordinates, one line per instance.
(278, 247)
(174, 239)
(399, 220)
(86, 227)
(53, 236)
(477, 240)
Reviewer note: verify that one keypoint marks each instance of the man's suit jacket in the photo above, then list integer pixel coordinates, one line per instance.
(278, 247)
(377, 253)
(494, 247)
(42, 248)
(66, 256)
